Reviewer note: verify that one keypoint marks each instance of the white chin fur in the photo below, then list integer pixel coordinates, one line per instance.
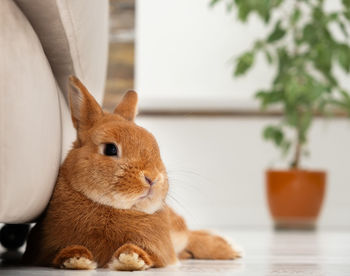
(148, 207)
(116, 201)
(121, 202)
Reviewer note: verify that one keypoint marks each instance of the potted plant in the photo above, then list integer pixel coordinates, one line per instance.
(304, 53)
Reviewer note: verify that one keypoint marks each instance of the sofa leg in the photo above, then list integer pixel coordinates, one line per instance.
(13, 236)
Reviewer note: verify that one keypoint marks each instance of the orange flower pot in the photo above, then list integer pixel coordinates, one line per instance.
(295, 197)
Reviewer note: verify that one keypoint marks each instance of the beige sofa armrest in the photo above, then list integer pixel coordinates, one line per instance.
(30, 123)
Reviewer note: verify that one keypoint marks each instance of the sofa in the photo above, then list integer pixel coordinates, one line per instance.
(41, 44)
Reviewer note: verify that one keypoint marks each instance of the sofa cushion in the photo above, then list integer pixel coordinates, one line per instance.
(30, 127)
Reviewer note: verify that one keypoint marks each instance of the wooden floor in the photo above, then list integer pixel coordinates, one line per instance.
(266, 253)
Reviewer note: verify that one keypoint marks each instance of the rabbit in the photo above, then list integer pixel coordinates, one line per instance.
(108, 206)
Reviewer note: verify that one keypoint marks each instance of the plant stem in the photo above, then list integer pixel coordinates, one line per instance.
(296, 160)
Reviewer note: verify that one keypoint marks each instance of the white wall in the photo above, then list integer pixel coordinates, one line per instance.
(184, 51)
(184, 54)
(216, 168)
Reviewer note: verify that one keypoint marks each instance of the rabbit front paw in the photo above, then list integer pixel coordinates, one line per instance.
(75, 257)
(130, 257)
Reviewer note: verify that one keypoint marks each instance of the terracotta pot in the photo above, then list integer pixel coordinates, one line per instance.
(295, 197)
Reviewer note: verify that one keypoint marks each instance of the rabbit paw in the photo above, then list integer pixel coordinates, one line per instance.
(75, 257)
(130, 257)
(79, 263)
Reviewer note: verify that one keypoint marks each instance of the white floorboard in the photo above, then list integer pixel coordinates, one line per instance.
(266, 253)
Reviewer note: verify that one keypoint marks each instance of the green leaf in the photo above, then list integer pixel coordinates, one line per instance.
(244, 9)
(343, 56)
(277, 33)
(244, 62)
(213, 2)
(283, 62)
(333, 16)
(346, 3)
(293, 87)
(321, 55)
(263, 9)
(347, 14)
(268, 98)
(309, 34)
(274, 133)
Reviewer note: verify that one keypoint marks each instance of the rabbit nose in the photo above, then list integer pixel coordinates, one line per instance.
(149, 181)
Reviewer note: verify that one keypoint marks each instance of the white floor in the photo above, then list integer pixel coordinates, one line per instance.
(266, 253)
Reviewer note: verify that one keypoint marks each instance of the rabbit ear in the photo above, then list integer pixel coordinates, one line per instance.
(85, 111)
(127, 108)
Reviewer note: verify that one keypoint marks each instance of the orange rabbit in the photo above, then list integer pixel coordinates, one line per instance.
(108, 207)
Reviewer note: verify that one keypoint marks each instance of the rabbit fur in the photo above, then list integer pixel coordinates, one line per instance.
(110, 211)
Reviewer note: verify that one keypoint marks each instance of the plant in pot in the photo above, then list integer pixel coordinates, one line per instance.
(305, 53)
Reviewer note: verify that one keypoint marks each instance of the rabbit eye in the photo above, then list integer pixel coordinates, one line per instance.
(110, 149)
